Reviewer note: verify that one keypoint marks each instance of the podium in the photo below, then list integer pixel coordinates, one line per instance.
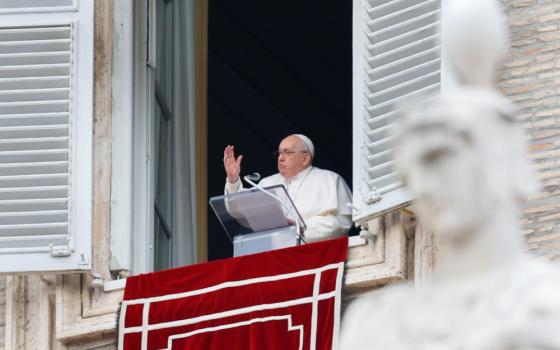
(256, 222)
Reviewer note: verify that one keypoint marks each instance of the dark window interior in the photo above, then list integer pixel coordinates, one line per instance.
(277, 68)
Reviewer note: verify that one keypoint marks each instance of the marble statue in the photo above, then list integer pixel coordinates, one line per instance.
(464, 157)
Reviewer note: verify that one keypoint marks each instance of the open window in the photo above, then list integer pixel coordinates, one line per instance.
(166, 141)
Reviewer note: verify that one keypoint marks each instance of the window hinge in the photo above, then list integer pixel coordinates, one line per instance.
(84, 260)
(97, 281)
(368, 236)
(60, 251)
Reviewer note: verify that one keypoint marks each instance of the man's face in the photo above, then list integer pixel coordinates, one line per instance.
(293, 156)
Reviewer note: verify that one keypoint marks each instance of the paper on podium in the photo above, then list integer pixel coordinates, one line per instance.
(260, 211)
(252, 211)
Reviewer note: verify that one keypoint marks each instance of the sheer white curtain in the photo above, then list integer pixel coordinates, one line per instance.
(185, 219)
(175, 223)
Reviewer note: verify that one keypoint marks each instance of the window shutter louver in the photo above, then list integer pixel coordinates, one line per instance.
(46, 82)
(18, 6)
(396, 57)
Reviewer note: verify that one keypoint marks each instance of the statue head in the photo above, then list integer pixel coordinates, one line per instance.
(464, 158)
(462, 154)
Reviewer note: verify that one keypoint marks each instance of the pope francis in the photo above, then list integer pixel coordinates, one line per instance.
(319, 195)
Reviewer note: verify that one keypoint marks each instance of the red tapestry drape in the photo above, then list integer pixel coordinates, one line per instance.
(283, 299)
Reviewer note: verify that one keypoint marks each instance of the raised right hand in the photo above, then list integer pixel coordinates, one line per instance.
(232, 164)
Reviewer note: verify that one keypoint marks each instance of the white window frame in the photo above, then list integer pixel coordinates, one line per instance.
(122, 124)
(144, 105)
(132, 217)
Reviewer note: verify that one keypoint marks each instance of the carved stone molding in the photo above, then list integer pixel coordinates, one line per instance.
(387, 262)
(83, 312)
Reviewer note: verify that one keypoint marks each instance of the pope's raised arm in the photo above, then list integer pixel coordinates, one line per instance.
(232, 165)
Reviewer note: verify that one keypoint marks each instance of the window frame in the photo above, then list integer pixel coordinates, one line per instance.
(122, 133)
(136, 213)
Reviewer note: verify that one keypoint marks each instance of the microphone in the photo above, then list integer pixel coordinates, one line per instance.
(251, 178)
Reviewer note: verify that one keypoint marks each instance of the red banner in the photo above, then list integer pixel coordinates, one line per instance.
(283, 299)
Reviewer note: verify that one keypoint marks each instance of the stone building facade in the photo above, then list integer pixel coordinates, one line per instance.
(77, 311)
(531, 78)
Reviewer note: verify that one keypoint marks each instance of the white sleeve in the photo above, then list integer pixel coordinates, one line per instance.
(344, 196)
(336, 221)
(233, 187)
(238, 186)
(321, 227)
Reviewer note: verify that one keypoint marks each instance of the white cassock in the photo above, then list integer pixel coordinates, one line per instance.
(319, 195)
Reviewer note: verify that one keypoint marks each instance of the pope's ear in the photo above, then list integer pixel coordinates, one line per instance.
(308, 158)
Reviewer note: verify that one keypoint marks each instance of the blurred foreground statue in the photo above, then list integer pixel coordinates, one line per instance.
(464, 157)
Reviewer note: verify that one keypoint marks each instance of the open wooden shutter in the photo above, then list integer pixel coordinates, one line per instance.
(46, 81)
(396, 56)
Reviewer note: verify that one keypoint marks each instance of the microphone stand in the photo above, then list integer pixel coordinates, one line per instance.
(299, 236)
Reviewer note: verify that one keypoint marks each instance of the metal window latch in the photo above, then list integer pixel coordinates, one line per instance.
(368, 236)
(372, 197)
(60, 251)
(97, 281)
(84, 260)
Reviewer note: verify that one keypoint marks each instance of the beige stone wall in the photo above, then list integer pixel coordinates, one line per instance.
(532, 80)
(2, 311)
